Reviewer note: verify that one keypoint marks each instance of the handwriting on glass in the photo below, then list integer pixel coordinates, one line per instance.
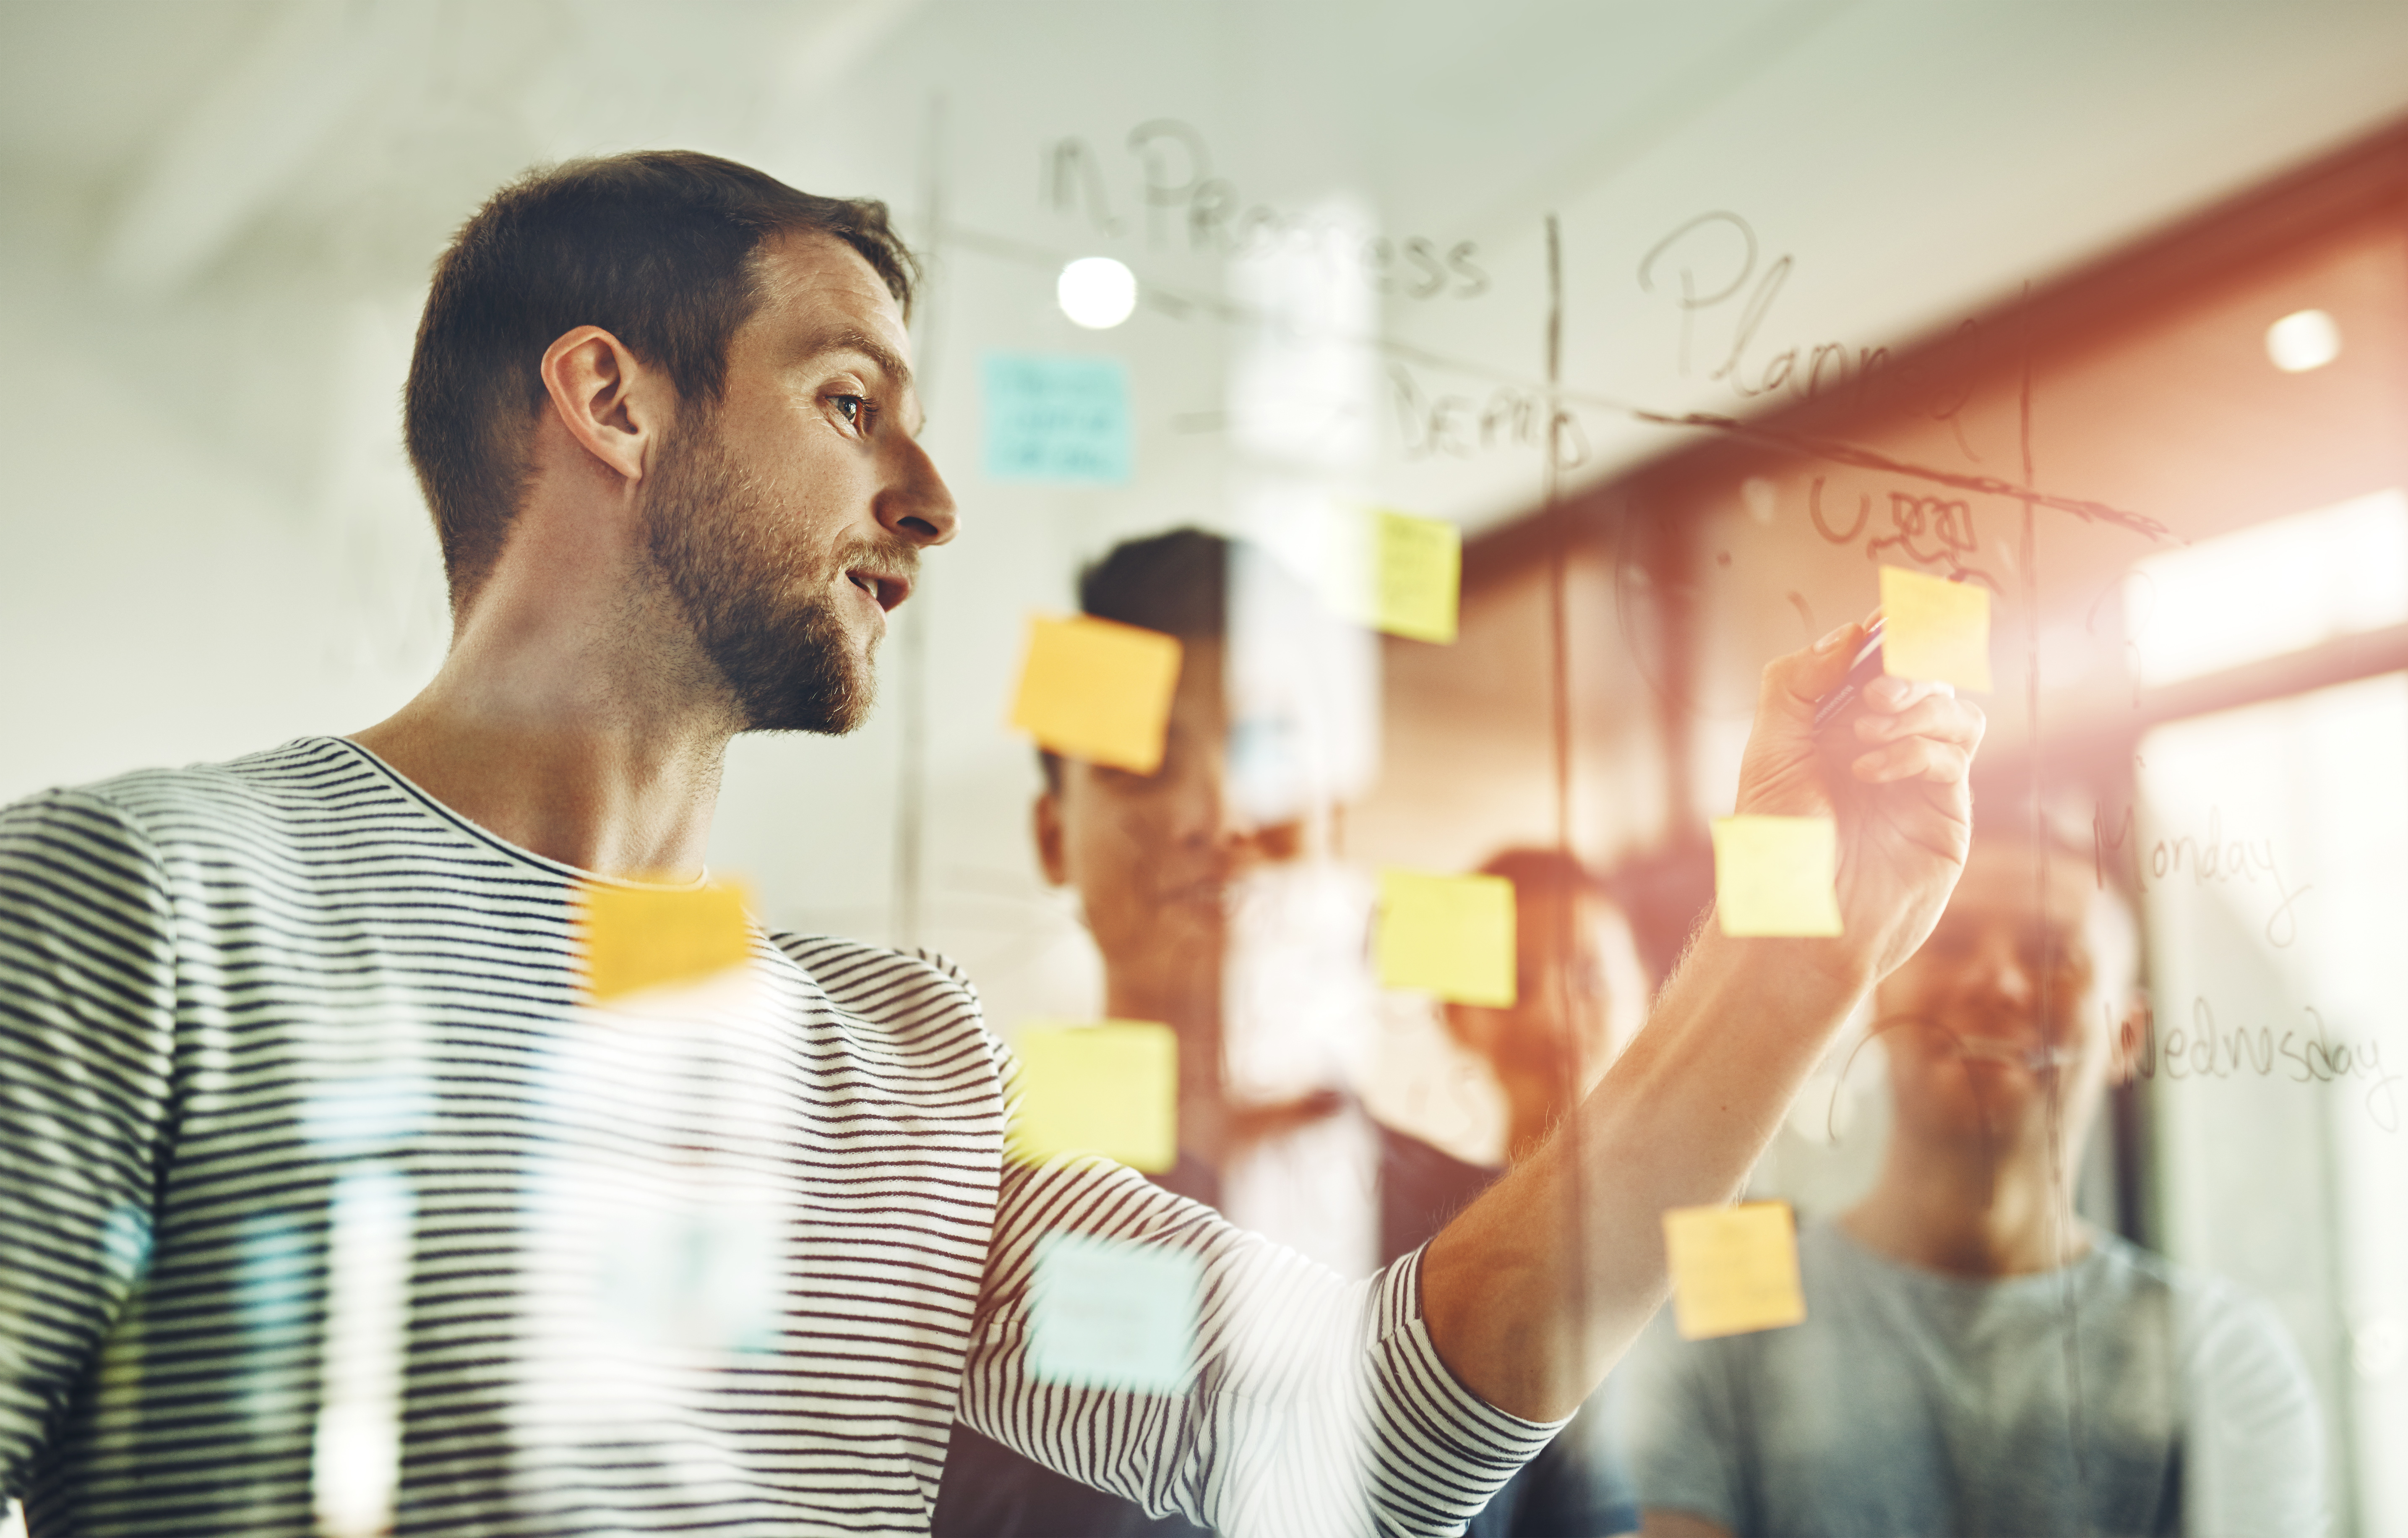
(1176, 186)
(2212, 859)
(2204, 1050)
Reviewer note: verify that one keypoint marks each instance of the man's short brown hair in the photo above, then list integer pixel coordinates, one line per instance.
(655, 248)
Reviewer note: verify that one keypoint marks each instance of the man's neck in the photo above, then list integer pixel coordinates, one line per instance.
(569, 739)
(1941, 1209)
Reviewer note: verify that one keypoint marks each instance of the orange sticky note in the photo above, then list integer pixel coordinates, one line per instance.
(1932, 629)
(638, 937)
(1110, 1090)
(1734, 1269)
(1451, 935)
(1776, 875)
(1416, 575)
(1093, 689)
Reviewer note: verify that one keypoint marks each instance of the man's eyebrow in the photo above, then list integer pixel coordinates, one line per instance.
(855, 340)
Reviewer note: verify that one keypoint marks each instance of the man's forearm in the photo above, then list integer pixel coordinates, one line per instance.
(1534, 1292)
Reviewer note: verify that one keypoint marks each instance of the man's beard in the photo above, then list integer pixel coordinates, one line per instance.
(730, 561)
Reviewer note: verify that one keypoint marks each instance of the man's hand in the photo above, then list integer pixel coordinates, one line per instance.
(1892, 772)
(1534, 1291)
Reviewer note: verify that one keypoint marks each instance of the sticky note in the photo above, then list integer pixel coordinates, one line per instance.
(1933, 628)
(1777, 875)
(638, 938)
(1096, 690)
(1451, 935)
(1734, 1269)
(1416, 575)
(1063, 420)
(1110, 1090)
(1109, 1313)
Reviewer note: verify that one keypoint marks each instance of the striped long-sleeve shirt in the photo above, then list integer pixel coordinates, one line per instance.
(323, 1196)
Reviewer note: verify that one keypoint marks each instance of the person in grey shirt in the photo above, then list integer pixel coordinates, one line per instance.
(1976, 1359)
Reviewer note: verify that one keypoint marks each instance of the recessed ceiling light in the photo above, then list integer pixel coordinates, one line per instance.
(1096, 292)
(2301, 341)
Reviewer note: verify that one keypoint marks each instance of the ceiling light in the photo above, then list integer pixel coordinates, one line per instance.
(2301, 341)
(1096, 292)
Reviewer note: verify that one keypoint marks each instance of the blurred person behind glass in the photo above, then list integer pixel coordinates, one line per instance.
(1976, 1358)
(1159, 862)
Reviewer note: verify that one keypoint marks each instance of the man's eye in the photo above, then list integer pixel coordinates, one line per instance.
(856, 407)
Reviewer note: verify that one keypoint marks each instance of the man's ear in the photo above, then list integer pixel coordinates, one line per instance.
(610, 404)
(1045, 820)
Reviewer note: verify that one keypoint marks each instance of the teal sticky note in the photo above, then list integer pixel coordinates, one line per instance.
(1109, 1313)
(1062, 420)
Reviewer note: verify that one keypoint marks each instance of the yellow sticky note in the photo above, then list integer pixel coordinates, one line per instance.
(1734, 1269)
(636, 937)
(1933, 628)
(1452, 935)
(1416, 575)
(1110, 1090)
(1093, 689)
(1777, 875)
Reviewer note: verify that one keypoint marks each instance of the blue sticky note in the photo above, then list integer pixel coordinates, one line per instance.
(1063, 420)
(1109, 1313)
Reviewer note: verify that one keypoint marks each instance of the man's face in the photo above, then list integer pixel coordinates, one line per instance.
(1154, 856)
(2008, 983)
(787, 519)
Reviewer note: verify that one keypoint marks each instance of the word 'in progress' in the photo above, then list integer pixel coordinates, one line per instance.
(1110, 1089)
(2205, 1052)
(1413, 577)
(1734, 1269)
(1176, 183)
(1936, 630)
(1057, 420)
(1450, 934)
(639, 937)
(1107, 1314)
(1097, 690)
(1776, 875)
(2209, 859)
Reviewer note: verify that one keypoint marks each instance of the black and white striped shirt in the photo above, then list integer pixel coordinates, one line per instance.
(322, 1195)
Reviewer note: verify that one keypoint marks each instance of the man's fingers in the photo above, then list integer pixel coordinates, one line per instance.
(1916, 758)
(1795, 683)
(1935, 715)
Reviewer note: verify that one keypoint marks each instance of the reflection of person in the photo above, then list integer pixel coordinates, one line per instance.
(1157, 861)
(1974, 1357)
(662, 408)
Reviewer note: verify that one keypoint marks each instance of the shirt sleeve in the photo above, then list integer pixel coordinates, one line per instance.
(2254, 1452)
(87, 1031)
(1310, 1404)
(1677, 1422)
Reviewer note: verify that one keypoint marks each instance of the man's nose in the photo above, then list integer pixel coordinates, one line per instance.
(2002, 971)
(915, 505)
